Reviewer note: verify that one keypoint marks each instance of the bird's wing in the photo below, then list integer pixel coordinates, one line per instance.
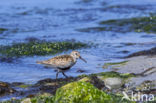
(63, 61)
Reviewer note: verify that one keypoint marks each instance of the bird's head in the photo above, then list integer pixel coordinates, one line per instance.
(76, 55)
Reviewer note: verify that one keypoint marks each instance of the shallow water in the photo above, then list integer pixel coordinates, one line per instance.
(57, 20)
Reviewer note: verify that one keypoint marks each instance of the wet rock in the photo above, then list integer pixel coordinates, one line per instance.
(30, 96)
(50, 85)
(5, 89)
(85, 79)
(39, 48)
(140, 24)
(27, 100)
(147, 87)
(17, 83)
(94, 81)
(83, 89)
(48, 80)
(80, 71)
(21, 85)
(144, 52)
(112, 83)
(81, 92)
(106, 65)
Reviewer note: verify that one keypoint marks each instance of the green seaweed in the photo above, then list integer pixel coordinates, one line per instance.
(141, 24)
(42, 99)
(106, 65)
(116, 74)
(138, 24)
(110, 74)
(93, 29)
(24, 85)
(2, 30)
(76, 92)
(39, 48)
(81, 92)
(12, 101)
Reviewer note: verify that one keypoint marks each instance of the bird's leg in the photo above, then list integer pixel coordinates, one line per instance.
(64, 75)
(56, 77)
(57, 74)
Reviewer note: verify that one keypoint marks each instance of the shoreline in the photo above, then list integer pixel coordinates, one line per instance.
(142, 63)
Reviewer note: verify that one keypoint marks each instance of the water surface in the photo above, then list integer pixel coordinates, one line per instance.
(57, 20)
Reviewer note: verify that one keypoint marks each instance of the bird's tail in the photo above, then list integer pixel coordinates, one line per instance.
(39, 62)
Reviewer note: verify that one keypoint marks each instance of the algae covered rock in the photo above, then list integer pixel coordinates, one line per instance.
(113, 74)
(137, 24)
(39, 48)
(42, 99)
(85, 79)
(113, 83)
(81, 92)
(114, 80)
(27, 100)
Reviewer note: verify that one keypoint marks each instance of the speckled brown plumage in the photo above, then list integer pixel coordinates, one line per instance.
(63, 62)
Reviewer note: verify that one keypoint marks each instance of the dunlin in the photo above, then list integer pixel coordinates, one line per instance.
(62, 62)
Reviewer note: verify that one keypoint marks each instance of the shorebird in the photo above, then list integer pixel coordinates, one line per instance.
(62, 62)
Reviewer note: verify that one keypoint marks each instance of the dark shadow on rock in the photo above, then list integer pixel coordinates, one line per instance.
(6, 89)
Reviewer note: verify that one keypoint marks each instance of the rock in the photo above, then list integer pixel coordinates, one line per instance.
(5, 88)
(151, 51)
(147, 86)
(3, 84)
(144, 67)
(112, 82)
(80, 71)
(85, 79)
(17, 83)
(81, 92)
(45, 95)
(27, 100)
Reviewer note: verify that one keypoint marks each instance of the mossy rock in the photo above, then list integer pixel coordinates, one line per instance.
(114, 80)
(138, 24)
(42, 99)
(113, 74)
(76, 92)
(85, 79)
(12, 101)
(141, 24)
(39, 48)
(81, 92)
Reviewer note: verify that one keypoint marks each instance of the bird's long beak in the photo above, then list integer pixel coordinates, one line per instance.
(83, 59)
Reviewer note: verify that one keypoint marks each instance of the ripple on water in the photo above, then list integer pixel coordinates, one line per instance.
(49, 21)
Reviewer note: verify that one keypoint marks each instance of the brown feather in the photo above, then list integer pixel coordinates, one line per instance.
(63, 61)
